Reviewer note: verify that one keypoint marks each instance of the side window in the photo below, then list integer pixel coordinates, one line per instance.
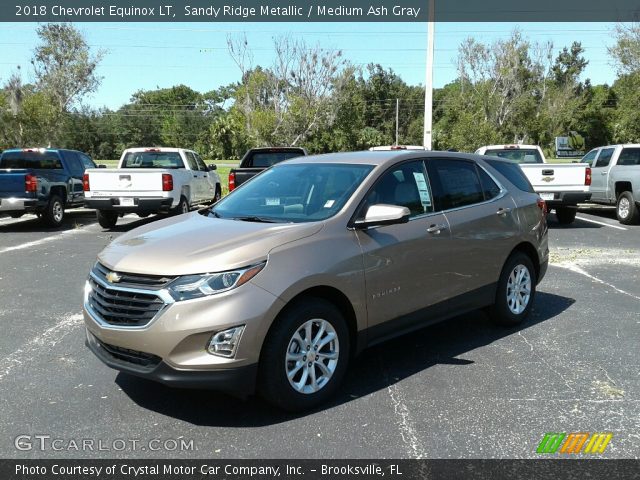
(489, 187)
(604, 158)
(589, 157)
(405, 185)
(74, 164)
(629, 156)
(86, 161)
(513, 173)
(455, 183)
(191, 160)
(201, 165)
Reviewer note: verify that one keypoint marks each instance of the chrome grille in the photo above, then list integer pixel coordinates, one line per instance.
(151, 282)
(123, 308)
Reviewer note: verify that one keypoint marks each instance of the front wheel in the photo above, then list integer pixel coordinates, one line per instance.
(53, 215)
(305, 356)
(515, 292)
(626, 209)
(107, 219)
(566, 215)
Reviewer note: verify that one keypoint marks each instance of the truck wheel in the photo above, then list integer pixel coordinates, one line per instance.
(516, 291)
(53, 214)
(218, 194)
(16, 215)
(627, 210)
(305, 356)
(565, 215)
(183, 206)
(107, 219)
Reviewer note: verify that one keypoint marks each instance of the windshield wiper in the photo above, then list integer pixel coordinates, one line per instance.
(252, 218)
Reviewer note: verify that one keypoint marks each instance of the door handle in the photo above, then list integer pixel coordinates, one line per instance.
(603, 173)
(195, 176)
(436, 229)
(503, 211)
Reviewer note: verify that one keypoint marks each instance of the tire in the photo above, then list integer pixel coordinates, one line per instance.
(107, 219)
(288, 334)
(627, 210)
(566, 215)
(183, 206)
(16, 215)
(143, 214)
(218, 194)
(511, 309)
(53, 215)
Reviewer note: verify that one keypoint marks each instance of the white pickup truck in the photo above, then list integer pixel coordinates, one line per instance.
(561, 185)
(150, 180)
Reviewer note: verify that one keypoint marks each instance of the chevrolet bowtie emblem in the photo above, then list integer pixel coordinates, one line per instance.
(547, 179)
(113, 277)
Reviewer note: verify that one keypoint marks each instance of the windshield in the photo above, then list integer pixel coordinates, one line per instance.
(520, 155)
(35, 160)
(293, 193)
(152, 160)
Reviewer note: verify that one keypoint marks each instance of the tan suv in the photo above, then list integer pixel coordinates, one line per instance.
(279, 284)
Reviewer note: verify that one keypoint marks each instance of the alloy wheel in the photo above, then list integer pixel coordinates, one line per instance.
(519, 289)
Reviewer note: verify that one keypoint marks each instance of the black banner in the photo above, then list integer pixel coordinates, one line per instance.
(318, 11)
(569, 468)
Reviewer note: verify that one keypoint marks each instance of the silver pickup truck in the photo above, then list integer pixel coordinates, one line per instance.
(616, 179)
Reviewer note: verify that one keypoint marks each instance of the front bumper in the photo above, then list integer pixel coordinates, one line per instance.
(18, 205)
(140, 204)
(173, 344)
(238, 381)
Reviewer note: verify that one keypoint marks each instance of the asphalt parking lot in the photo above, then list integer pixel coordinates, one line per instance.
(461, 389)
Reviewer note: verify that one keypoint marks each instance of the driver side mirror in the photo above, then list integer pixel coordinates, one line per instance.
(383, 214)
(212, 166)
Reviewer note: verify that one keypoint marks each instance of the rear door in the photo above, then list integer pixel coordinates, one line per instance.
(75, 168)
(196, 182)
(406, 264)
(209, 183)
(599, 174)
(483, 222)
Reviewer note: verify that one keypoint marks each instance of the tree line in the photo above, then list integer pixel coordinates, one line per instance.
(512, 90)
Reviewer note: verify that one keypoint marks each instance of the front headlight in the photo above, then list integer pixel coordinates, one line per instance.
(196, 286)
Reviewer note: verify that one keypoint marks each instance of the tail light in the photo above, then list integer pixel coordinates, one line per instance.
(232, 180)
(30, 183)
(542, 205)
(587, 176)
(85, 182)
(167, 182)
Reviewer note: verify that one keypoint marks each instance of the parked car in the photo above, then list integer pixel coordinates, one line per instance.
(258, 160)
(383, 148)
(44, 181)
(151, 180)
(616, 179)
(280, 283)
(561, 185)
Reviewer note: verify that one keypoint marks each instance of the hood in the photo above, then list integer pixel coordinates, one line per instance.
(194, 243)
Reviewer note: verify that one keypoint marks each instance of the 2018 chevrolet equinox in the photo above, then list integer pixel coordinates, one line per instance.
(278, 285)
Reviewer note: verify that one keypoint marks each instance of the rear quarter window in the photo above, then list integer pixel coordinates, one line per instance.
(513, 173)
(629, 157)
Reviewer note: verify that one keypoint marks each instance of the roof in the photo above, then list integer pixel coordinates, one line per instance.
(382, 157)
(153, 149)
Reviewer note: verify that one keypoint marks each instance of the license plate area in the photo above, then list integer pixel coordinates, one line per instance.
(547, 196)
(126, 202)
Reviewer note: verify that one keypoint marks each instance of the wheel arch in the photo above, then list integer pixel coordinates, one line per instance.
(623, 186)
(530, 251)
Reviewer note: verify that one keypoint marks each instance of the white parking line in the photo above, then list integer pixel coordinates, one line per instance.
(601, 223)
(35, 346)
(576, 269)
(35, 243)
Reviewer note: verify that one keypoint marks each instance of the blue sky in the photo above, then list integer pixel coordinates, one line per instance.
(150, 55)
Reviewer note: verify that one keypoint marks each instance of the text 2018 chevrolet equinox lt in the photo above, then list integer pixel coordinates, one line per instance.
(279, 284)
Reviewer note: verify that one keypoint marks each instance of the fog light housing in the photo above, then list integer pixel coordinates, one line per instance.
(225, 343)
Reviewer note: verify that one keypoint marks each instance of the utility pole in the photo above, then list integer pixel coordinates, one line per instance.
(397, 108)
(428, 83)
